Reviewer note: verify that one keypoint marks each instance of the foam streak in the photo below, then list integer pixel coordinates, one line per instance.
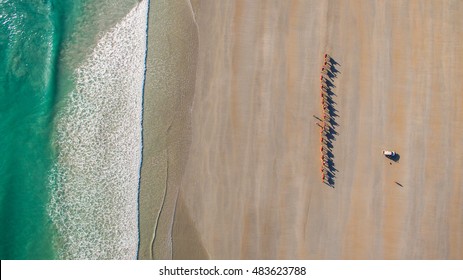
(95, 182)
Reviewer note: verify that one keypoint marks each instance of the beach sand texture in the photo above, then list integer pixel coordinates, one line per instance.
(251, 188)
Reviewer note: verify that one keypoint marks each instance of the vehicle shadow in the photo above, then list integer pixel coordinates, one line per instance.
(394, 158)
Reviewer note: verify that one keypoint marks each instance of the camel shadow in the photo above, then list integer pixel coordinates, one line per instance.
(333, 62)
(334, 70)
(330, 115)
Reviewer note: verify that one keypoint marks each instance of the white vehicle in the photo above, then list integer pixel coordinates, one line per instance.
(388, 153)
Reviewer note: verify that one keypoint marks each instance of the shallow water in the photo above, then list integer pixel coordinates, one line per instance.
(72, 80)
(28, 52)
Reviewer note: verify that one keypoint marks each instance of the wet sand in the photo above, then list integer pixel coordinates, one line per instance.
(251, 188)
(169, 89)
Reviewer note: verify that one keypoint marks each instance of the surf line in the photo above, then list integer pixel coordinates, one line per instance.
(148, 5)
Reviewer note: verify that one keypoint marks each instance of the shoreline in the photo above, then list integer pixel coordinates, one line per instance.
(169, 90)
(141, 123)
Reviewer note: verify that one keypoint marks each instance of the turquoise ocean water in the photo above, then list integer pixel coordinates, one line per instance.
(51, 92)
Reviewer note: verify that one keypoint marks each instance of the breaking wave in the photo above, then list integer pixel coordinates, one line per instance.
(94, 204)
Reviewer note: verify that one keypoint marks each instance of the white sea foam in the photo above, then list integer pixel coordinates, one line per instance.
(94, 204)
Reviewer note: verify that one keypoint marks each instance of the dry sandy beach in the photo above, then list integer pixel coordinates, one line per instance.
(246, 180)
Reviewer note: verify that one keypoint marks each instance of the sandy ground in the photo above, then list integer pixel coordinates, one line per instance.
(251, 187)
